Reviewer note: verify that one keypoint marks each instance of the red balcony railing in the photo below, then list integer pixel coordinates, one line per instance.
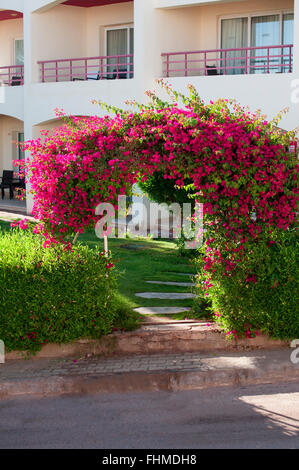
(12, 75)
(87, 68)
(246, 60)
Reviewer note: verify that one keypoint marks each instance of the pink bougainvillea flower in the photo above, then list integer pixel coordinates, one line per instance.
(22, 224)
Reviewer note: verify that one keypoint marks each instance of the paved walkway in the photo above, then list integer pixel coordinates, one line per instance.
(9, 216)
(140, 373)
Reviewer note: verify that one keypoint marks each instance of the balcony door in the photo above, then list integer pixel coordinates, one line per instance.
(19, 52)
(120, 42)
(257, 31)
(234, 35)
(265, 31)
(18, 57)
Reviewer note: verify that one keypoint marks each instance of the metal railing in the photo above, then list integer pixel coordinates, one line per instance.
(87, 68)
(12, 75)
(245, 60)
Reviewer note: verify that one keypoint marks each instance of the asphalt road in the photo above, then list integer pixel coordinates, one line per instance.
(257, 417)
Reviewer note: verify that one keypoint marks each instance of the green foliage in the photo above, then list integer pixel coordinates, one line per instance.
(262, 295)
(53, 295)
(162, 190)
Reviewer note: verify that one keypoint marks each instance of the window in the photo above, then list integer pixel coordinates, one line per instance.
(120, 42)
(17, 151)
(234, 35)
(19, 52)
(21, 152)
(257, 31)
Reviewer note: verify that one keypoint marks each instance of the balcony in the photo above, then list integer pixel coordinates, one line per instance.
(87, 68)
(240, 61)
(12, 75)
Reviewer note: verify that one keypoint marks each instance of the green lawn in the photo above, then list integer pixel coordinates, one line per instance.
(140, 260)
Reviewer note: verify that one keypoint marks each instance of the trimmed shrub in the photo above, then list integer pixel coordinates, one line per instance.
(262, 293)
(52, 294)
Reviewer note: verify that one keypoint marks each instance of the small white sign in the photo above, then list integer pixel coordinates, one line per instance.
(2, 352)
(2, 93)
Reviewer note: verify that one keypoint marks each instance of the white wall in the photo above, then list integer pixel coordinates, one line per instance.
(16, 5)
(269, 92)
(12, 101)
(58, 33)
(75, 98)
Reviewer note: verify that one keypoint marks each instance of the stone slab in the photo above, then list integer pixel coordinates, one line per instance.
(172, 283)
(165, 295)
(161, 310)
(180, 274)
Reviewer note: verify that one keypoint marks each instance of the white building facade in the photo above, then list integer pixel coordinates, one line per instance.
(64, 54)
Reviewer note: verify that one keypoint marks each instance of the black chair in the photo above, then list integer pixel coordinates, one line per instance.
(122, 73)
(211, 70)
(7, 183)
(16, 81)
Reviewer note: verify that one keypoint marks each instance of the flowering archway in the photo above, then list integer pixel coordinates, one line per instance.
(240, 166)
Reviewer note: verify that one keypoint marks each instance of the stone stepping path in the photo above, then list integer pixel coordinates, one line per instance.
(180, 274)
(170, 283)
(165, 295)
(161, 310)
(152, 311)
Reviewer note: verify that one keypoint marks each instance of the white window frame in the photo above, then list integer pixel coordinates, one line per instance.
(126, 26)
(249, 17)
(14, 48)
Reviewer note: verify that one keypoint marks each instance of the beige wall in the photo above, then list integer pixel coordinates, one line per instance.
(69, 32)
(195, 28)
(58, 33)
(48, 126)
(210, 15)
(8, 149)
(9, 31)
(97, 18)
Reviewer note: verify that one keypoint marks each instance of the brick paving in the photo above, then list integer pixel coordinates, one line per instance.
(100, 366)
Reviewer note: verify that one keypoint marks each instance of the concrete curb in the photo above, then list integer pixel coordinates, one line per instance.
(155, 339)
(213, 372)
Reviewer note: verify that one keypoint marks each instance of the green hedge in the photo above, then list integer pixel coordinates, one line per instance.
(52, 295)
(262, 295)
